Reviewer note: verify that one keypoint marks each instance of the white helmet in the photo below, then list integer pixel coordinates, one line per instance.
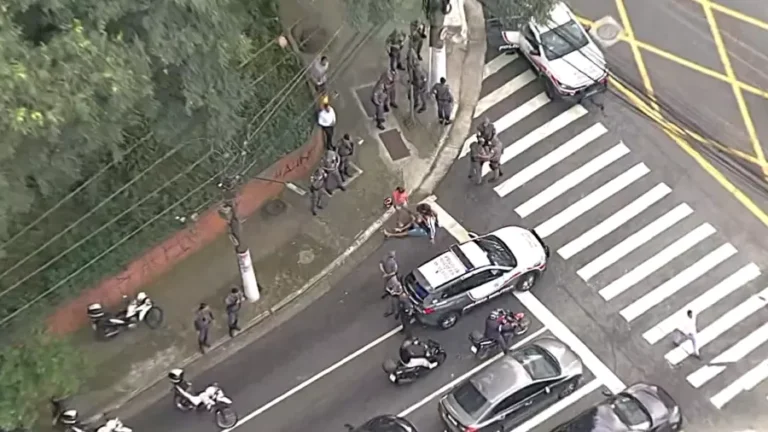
(69, 417)
(140, 297)
(176, 375)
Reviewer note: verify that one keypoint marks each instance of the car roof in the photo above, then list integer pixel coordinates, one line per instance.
(560, 15)
(442, 269)
(501, 378)
(386, 423)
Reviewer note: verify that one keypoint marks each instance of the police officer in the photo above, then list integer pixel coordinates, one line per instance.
(486, 129)
(419, 87)
(478, 154)
(233, 302)
(418, 34)
(404, 312)
(395, 42)
(380, 100)
(496, 149)
(330, 164)
(412, 60)
(316, 183)
(393, 289)
(203, 322)
(346, 149)
(444, 99)
(388, 80)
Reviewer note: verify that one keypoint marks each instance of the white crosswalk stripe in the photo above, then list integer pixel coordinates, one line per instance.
(651, 258)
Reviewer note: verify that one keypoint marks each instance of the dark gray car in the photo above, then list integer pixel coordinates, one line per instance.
(513, 389)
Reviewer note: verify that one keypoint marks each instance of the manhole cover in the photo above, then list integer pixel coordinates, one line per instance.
(274, 207)
(607, 31)
(306, 256)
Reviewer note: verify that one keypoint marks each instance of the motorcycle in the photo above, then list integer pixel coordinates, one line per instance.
(399, 373)
(114, 425)
(212, 399)
(140, 309)
(483, 347)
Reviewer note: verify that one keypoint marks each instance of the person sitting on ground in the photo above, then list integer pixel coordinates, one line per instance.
(415, 227)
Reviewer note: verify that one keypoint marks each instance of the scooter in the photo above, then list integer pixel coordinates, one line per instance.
(140, 309)
(399, 373)
(212, 399)
(482, 347)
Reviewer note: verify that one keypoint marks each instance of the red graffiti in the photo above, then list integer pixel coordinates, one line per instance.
(292, 165)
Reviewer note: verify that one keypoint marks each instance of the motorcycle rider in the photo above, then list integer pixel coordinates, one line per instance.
(114, 425)
(205, 398)
(496, 326)
(69, 418)
(413, 353)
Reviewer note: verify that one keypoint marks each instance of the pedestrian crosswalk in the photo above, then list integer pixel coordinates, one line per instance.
(637, 244)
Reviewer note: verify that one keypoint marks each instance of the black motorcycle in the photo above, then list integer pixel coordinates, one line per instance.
(483, 347)
(399, 373)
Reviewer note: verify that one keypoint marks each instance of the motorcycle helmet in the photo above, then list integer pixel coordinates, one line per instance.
(494, 315)
(113, 424)
(95, 310)
(69, 417)
(141, 297)
(176, 376)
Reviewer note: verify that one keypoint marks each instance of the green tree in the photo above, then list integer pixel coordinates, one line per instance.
(365, 13)
(32, 371)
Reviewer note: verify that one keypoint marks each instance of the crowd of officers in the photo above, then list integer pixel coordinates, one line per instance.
(384, 93)
(486, 148)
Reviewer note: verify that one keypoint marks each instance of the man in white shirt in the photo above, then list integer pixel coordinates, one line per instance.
(688, 328)
(326, 118)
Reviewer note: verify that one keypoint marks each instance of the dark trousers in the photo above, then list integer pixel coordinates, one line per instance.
(202, 339)
(328, 134)
(395, 60)
(232, 322)
(444, 110)
(405, 321)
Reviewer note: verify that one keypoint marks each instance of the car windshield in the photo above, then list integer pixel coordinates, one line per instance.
(498, 253)
(537, 362)
(470, 399)
(563, 40)
(629, 410)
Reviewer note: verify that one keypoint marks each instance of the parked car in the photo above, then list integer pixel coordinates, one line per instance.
(639, 408)
(513, 389)
(384, 423)
(570, 64)
(474, 272)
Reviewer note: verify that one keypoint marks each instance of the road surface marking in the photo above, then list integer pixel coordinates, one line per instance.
(504, 92)
(497, 64)
(511, 118)
(551, 159)
(733, 354)
(746, 382)
(555, 326)
(571, 180)
(729, 285)
(678, 282)
(634, 241)
(628, 280)
(720, 326)
(444, 389)
(316, 377)
(447, 221)
(614, 221)
(590, 201)
(558, 406)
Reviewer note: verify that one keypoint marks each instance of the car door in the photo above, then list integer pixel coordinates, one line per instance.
(531, 47)
(456, 292)
(490, 286)
(526, 403)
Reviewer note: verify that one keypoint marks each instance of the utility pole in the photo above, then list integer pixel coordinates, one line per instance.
(435, 10)
(228, 210)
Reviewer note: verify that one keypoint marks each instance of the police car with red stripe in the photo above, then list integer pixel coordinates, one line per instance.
(475, 272)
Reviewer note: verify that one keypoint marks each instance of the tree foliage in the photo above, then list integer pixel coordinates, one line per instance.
(168, 93)
(32, 371)
(513, 12)
(365, 13)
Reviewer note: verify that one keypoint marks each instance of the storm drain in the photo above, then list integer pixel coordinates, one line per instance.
(395, 145)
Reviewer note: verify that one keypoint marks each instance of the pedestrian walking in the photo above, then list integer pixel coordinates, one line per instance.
(404, 313)
(318, 73)
(486, 129)
(444, 98)
(380, 100)
(389, 80)
(689, 330)
(395, 42)
(330, 164)
(477, 156)
(419, 89)
(393, 289)
(496, 149)
(346, 149)
(203, 322)
(316, 183)
(418, 34)
(233, 302)
(326, 118)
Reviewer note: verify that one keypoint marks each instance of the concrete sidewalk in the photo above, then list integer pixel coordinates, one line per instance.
(296, 256)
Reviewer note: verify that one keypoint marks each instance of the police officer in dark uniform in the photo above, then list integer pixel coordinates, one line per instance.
(444, 99)
(345, 149)
(478, 155)
(486, 129)
(316, 183)
(419, 86)
(330, 164)
(388, 80)
(418, 34)
(395, 42)
(404, 312)
(380, 100)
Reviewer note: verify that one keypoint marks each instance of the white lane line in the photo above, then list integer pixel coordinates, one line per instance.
(719, 326)
(558, 406)
(556, 327)
(446, 388)
(447, 221)
(614, 221)
(718, 292)
(733, 354)
(504, 92)
(590, 201)
(678, 282)
(630, 279)
(551, 159)
(746, 382)
(497, 64)
(634, 241)
(511, 118)
(316, 378)
(572, 180)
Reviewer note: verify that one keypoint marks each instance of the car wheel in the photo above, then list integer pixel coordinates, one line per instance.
(569, 388)
(549, 89)
(527, 281)
(448, 320)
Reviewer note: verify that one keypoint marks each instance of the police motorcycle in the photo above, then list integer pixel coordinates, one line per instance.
(416, 357)
(512, 324)
(212, 399)
(139, 309)
(71, 423)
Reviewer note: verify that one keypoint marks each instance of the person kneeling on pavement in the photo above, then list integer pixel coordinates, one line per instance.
(413, 353)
